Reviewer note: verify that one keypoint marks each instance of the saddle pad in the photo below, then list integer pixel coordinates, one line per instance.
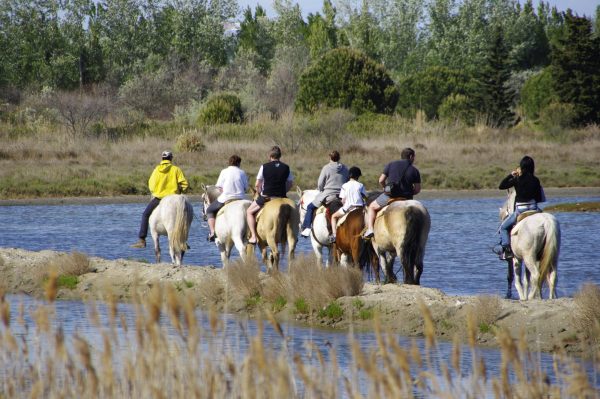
(343, 218)
(321, 209)
(525, 214)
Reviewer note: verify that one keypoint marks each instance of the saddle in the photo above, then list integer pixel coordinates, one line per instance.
(343, 218)
(526, 214)
(328, 209)
(220, 212)
(391, 200)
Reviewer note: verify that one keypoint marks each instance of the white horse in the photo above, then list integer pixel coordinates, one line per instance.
(535, 241)
(172, 218)
(401, 229)
(319, 237)
(230, 225)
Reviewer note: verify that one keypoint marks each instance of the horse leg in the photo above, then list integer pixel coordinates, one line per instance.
(274, 253)
(534, 291)
(517, 274)
(344, 260)
(510, 276)
(418, 272)
(156, 247)
(551, 279)
(238, 242)
(224, 254)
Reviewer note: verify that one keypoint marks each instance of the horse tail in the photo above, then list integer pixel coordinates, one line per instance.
(285, 214)
(367, 253)
(179, 235)
(550, 250)
(411, 245)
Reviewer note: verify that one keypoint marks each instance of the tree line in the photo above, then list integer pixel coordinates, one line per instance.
(467, 60)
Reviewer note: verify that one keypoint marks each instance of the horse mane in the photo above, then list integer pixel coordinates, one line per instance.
(213, 193)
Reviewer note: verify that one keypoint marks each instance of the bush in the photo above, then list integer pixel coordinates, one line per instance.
(537, 93)
(221, 108)
(189, 142)
(457, 107)
(347, 78)
(557, 116)
(428, 89)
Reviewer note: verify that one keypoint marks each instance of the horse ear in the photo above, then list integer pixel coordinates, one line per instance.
(203, 186)
(299, 191)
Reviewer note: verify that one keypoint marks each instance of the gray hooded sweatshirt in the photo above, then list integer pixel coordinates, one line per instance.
(332, 177)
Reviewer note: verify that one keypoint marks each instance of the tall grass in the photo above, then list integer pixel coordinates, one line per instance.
(38, 158)
(165, 351)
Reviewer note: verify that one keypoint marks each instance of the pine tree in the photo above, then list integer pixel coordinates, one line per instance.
(492, 92)
(575, 69)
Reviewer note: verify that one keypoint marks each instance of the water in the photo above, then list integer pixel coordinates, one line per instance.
(458, 258)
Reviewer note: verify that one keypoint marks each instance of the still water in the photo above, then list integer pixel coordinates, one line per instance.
(458, 258)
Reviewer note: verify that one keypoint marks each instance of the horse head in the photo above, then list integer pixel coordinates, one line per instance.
(509, 205)
(209, 195)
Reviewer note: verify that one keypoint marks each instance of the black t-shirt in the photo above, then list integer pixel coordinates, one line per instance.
(395, 172)
(527, 187)
(275, 174)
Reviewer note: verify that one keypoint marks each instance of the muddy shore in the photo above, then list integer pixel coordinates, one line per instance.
(547, 325)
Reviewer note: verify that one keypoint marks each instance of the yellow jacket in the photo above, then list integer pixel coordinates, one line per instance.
(167, 179)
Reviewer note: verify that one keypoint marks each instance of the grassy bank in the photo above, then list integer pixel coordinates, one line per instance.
(46, 161)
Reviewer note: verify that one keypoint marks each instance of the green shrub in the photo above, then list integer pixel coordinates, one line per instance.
(347, 78)
(333, 311)
(221, 108)
(537, 93)
(427, 90)
(67, 281)
(366, 314)
(557, 116)
(189, 142)
(301, 306)
(279, 303)
(457, 107)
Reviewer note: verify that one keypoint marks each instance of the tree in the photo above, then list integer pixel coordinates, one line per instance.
(322, 32)
(492, 90)
(527, 40)
(347, 78)
(255, 38)
(537, 93)
(575, 69)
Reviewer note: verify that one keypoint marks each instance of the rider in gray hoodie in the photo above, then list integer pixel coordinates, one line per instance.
(332, 177)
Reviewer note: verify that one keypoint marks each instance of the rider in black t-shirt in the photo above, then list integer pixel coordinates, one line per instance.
(274, 180)
(400, 179)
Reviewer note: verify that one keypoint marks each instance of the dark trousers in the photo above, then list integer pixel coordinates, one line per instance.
(308, 217)
(146, 216)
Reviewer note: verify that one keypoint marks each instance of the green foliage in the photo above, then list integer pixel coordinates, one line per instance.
(358, 303)
(557, 116)
(333, 311)
(279, 303)
(576, 69)
(301, 306)
(68, 281)
(537, 93)
(485, 328)
(221, 108)
(366, 314)
(253, 300)
(457, 107)
(346, 78)
(189, 142)
(427, 90)
(255, 37)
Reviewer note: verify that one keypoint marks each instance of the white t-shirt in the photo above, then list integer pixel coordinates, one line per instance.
(234, 183)
(352, 191)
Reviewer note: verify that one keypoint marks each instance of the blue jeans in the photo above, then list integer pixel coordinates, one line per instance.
(310, 210)
(146, 217)
(510, 221)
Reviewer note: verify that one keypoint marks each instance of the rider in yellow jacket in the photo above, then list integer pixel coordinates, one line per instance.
(166, 179)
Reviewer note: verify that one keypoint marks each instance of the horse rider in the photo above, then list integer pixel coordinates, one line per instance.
(400, 180)
(274, 180)
(166, 179)
(332, 177)
(353, 195)
(233, 184)
(528, 192)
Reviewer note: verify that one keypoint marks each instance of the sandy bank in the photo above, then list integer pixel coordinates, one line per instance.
(546, 325)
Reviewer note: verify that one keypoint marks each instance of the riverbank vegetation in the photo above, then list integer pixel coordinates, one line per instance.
(92, 92)
(165, 349)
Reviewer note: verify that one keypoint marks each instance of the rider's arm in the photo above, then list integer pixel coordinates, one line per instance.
(382, 180)
(289, 182)
(321, 181)
(258, 186)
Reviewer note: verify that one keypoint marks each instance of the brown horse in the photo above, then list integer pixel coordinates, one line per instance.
(277, 224)
(401, 229)
(350, 248)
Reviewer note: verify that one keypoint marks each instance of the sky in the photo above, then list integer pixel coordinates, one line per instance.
(581, 7)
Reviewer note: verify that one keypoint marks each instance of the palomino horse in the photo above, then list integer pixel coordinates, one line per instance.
(535, 241)
(172, 217)
(230, 224)
(401, 229)
(350, 247)
(319, 237)
(277, 224)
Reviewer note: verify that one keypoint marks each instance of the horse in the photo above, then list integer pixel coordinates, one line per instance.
(230, 225)
(172, 217)
(401, 229)
(277, 224)
(535, 241)
(350, 248)
(319, 237)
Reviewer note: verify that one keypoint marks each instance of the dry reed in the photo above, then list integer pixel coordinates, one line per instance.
(184, 358)
(587, 312)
